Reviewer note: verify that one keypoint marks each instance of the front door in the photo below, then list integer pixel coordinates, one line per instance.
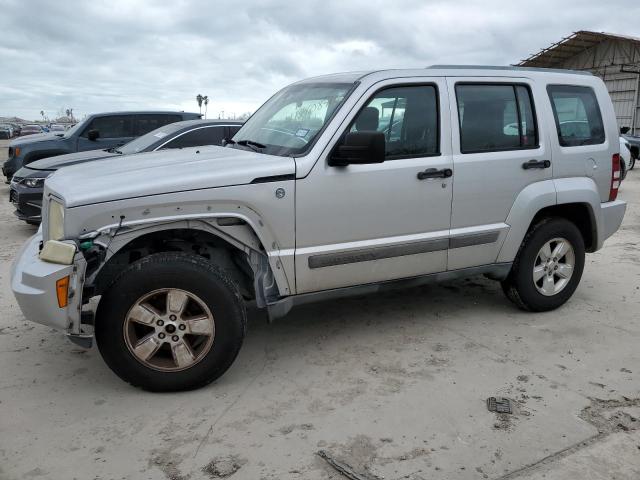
(369, 223)
(113, 130)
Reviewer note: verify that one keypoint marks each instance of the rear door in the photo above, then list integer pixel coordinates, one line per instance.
(499, 148)
(113, 130)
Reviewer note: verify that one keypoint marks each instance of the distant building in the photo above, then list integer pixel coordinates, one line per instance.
(614, 58)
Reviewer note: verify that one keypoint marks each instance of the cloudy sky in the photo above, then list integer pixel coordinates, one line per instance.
(124, 54)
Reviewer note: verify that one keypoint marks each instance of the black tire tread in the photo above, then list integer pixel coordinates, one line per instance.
(509, 285)
(163, 258)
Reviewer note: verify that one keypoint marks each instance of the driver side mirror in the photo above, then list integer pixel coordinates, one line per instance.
(359, 148)
(624, 130)
(93, 135)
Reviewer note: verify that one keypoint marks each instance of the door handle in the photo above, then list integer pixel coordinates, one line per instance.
(435, 173)
(536, 164)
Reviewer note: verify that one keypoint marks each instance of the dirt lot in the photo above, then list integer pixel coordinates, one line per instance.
(393, 386)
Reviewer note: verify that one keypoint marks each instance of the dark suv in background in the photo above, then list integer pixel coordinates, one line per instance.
(97, 131)
(27, 184)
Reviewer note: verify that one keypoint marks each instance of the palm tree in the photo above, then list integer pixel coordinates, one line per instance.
(205, 99)
(42, 114)
(199, 99)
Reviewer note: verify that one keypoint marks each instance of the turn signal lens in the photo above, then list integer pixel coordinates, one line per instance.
(62, 290)
(16, 151)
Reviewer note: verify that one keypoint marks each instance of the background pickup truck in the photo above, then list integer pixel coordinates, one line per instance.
(97, 131)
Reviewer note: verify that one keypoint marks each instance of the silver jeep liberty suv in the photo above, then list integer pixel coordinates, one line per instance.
(338, 185)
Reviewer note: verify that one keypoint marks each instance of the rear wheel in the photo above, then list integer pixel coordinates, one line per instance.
(170, 321)
(623, 170)
(548, 266)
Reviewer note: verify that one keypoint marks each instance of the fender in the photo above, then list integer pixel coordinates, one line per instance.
(583, 190)
(40, 154)
(235, 229)
(539, 195)
(529, 201)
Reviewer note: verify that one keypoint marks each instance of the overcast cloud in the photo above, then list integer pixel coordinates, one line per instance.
(118, 55)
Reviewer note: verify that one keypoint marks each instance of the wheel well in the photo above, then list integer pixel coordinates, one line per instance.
(635, 151)
(198, 242)
(578, 213)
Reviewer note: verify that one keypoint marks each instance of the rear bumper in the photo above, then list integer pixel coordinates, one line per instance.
(612, 215)
(33, 282)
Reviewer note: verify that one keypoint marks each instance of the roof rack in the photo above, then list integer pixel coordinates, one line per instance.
(509, 68)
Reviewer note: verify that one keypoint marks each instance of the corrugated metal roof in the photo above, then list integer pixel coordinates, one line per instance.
(570, 46)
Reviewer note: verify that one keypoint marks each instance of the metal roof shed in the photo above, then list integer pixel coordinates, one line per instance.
(614, 58)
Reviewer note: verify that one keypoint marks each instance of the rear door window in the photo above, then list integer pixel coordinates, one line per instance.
(577, 115)
(147, 122)
(198, 137)
(495, 117)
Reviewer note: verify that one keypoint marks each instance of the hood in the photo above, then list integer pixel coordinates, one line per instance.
(164, 171)
(59, 161)
(34, 138)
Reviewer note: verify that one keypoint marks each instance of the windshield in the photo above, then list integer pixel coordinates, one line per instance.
(75, 128)
(288, 123)
(141, 144)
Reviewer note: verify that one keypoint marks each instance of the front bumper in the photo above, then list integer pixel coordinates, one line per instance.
(33, 282)
(27, 202)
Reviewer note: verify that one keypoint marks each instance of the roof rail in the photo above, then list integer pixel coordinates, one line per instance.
(509, 68)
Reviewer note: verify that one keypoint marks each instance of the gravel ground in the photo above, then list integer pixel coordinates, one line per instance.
(392, 386)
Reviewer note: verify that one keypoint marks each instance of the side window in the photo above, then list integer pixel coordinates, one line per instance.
(198, 137)
(408, 116)
(577, 115)
(113, 126)
(495, 118)
(146, 123)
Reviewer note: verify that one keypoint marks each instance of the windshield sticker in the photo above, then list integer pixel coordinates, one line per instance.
(160, 135)
(302, 132)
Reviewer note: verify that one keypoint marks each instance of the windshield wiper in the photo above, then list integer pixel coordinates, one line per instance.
(255, 146)
(228, 141)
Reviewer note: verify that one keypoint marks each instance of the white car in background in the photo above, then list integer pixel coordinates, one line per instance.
(625, 158)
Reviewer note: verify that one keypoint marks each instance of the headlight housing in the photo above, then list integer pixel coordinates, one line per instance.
(56, 220)
(33, 182)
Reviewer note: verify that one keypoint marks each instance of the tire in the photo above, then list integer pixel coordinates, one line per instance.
(623, 170)
(633, 162)
(135, 315)
(520, 286)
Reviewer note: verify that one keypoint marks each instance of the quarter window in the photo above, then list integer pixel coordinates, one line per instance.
(495, 118)
(577, 115)
(408, 116)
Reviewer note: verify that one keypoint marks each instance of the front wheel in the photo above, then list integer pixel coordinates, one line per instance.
(548, 266)
(169, 322)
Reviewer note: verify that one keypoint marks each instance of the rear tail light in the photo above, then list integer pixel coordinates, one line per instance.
(615, 177)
